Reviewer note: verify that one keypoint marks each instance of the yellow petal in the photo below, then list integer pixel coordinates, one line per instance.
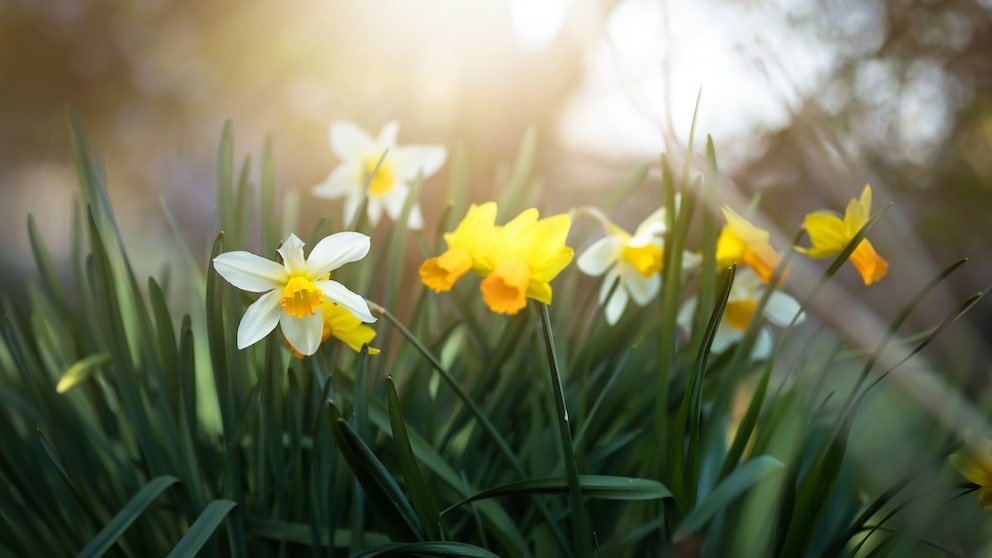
(743, 229)
(440, 273)
(729, 248)
(763, 259)
(340, 323)
(869, 264)
(505, 289)
(826, 233)
(972, 469)
(857, 212)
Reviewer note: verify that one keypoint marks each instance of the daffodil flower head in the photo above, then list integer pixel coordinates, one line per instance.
(742, 243)
(379, 169)
(440, 273)
(341, 324)
(974, 462)
(295, 290)
(520, 259)
(829, 235)
(635, 261)
(742, 304)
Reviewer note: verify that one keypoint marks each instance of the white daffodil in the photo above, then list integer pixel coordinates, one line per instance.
(635, 261)
(295, 288)
(390, 185)
(745, 294)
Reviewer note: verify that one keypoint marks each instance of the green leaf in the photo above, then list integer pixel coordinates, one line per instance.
(736, 484)
(522, 167)
(383, 494)
(80, 371)
(438, 549)
(201, 529)
(300, 533)
(124, 518)
(603, 487)
(420, 497)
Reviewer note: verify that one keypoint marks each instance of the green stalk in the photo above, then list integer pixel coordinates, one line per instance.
(580, 523)
(473, 407)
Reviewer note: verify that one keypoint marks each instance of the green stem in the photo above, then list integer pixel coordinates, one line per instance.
(580, 523)
(474, 408)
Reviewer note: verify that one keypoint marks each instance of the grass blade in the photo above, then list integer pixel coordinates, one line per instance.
(201, 529)
(128, 514)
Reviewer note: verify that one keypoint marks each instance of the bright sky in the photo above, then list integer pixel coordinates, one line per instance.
(747, 64)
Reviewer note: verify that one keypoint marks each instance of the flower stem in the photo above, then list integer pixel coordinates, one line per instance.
(580, 523)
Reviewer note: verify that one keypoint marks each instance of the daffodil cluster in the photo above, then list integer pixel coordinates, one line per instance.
(517, 260)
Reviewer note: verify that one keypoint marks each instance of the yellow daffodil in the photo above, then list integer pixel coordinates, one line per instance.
(296, 289)
(389, 187)
(633, 260)
(975, 464)
(442, 272)
(520, 259)
(517, 260)
(830, 235)
(340, 323)
(745, 294)
(742, 243)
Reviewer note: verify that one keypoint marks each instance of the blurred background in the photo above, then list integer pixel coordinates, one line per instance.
(806, 102)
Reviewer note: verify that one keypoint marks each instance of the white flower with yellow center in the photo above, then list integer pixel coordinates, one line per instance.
(745, 294)
(387, 187)
(295, 288)
(633, 260)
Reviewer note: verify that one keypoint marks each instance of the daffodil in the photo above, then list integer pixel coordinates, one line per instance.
(742, 303)
(975, 464)
(520, 259)
(441, 272)
(742, 243)
(295, 290)
(388, 187)
(830, 235)
(635, 261)
(517, 260)
(341, 324)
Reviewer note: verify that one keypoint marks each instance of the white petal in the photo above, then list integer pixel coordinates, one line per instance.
(249, 272)
(690, 260)
(762, 345)
(394, 199)
(600, 255)
(354, 303)
(652, 225)
(349, 142)
(374, 210)
(781, 309)
(260, 319)
(387, 136)
(302, 333)
(607, 284)
(415, 221)
(686, 314)
(292, 254)
(411, 161)
(336, 250)
(724, 337)
(642, 289)
(616, 305)
(342, 181)
(351, 205)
